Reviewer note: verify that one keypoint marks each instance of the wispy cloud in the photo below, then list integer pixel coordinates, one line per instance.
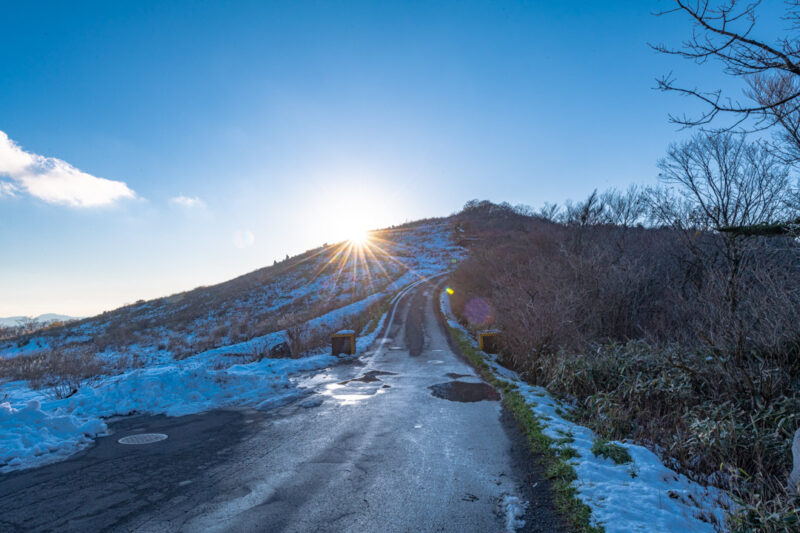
(7, 189)
(187, 201)
(53, 180)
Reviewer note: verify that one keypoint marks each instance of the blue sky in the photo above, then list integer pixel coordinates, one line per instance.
(233, 133)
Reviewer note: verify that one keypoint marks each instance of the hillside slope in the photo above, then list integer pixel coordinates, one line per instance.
(267, 300)
(206, 348)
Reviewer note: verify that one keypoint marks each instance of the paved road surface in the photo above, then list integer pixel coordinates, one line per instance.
(370, 449)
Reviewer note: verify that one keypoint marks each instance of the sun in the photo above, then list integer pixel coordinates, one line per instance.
(359, 237)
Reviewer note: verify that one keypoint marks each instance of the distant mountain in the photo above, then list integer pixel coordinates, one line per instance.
(47, 317)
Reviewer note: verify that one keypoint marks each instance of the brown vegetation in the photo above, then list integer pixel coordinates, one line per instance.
(61, 373)
(673, 335)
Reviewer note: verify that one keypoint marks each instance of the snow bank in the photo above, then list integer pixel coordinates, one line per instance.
(47, 431)
(177, 390)
(29, 436)
(643, 495)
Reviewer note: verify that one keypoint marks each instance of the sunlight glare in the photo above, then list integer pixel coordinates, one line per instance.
(359, 237)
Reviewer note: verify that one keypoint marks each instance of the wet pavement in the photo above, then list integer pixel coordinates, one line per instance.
(406, 439)
(459, 391)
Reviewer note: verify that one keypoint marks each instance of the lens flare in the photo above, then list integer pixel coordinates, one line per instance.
(359, 238)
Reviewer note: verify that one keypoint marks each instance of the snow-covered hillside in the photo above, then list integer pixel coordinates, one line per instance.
(198, 350)
(258, 303)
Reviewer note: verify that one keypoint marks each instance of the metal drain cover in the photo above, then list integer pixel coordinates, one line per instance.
(142, 438)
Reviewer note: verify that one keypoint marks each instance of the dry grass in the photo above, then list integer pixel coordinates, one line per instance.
(61, 373)
(642, 336)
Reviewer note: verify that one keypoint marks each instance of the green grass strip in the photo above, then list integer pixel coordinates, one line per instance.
(554, 455)
(609, 450)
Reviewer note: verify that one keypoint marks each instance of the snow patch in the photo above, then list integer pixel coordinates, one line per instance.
(47, 431)
(513, 509)
(643, 495)
(31, 437)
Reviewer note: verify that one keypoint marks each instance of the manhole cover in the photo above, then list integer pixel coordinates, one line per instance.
(142, 438)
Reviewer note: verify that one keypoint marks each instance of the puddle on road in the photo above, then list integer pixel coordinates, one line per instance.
(459, 391)
(357, 389)
(369, 377)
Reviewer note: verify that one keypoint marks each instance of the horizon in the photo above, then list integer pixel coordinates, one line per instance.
(146, 150)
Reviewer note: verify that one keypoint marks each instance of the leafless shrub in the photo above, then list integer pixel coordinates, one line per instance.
(219, 334)
(178, 345)
(296, 331)
(313, 339)
(259, 350)
(127, 362)
(62, 372)
(27, 326)
(636, 326)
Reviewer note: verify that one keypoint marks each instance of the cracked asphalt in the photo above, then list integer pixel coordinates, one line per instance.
(375, 446)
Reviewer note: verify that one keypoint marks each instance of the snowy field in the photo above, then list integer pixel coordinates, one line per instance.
(643, 495)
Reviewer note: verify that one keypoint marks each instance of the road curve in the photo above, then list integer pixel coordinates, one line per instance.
(383, 444)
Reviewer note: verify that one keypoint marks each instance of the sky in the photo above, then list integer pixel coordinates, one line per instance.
(148, 148)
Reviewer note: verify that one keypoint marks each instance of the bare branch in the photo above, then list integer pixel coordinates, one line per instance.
(724, 31)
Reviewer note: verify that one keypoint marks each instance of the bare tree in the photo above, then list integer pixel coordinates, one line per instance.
(728, 180)
(625, 209)
(721, 181)
(724, 31)
(551, 212)
(586, 213)
(27, 325)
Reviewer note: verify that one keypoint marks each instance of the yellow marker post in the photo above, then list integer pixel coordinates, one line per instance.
(343, 342)
(487, 340)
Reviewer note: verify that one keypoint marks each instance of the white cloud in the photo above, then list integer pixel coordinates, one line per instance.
(7, 189)
(55, 181)
(243, 238)
(187, 201)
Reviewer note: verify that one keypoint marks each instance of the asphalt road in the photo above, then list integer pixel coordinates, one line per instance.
(387, 443)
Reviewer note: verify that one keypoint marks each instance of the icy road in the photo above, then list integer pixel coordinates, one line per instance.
(407, 438)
